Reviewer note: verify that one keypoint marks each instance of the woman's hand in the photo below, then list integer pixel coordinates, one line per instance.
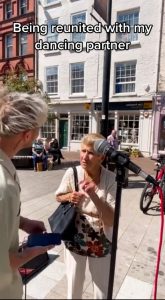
(88, 187)
(76, 197)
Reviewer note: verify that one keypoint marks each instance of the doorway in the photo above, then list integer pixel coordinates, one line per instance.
(63, 133)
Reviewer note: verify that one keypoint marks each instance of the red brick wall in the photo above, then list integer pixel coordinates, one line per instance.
(6, 26)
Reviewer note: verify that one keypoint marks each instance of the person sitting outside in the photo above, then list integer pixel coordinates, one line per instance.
(39, 154)
(55, 151)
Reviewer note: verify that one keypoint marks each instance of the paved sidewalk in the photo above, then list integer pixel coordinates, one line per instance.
(138, 237)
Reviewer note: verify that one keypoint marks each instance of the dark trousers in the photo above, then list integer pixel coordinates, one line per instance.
(37, 159)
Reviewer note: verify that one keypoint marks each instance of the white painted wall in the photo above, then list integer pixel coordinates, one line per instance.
(145, 52)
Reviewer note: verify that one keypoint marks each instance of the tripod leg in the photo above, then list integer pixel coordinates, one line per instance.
(120, 179)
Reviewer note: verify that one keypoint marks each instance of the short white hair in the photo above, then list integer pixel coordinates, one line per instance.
(20, 112)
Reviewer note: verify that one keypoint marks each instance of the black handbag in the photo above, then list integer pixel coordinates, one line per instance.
(62, 221)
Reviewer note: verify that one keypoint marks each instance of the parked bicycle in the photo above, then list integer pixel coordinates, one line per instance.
(151, 190)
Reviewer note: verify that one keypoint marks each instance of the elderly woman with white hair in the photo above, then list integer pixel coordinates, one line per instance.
(21, 116)
(94, 203)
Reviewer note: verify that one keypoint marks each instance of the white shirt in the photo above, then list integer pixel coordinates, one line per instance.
(105, 190)
(10, 281)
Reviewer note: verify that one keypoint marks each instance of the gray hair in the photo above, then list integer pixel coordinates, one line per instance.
(20, 112)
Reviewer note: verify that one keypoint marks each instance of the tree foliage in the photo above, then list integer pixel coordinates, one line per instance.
(20, 82)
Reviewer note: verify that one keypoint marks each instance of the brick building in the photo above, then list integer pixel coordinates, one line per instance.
(16, 49)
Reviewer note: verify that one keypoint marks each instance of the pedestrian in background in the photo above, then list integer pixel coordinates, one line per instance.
(94, 221)
(39, 154)
(113, 140)
(21, 116)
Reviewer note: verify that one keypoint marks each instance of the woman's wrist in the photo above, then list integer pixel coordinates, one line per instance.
(70, 197)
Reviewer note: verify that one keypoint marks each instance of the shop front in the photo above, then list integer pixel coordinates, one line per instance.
(133, 122)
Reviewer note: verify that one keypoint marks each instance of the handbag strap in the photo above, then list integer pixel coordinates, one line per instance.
(75, 178)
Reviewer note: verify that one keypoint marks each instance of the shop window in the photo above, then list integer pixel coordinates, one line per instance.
(128, 130)
(49, 128)
(79, 126)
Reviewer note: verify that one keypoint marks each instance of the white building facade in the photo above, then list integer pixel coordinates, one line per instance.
(73, 80)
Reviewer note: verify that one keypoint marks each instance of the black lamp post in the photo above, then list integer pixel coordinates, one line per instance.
(106, 78)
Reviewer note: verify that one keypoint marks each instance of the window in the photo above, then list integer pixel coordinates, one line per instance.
(129, 128)
(131, 19)
(76, 19)
(125, 77)
(52, 37)
(8, 45)
(79, 126)
(23, 44)
(8, 10)
(77, 78)
(49, 128)
(23, 7)
(47, 2)
(52, 80)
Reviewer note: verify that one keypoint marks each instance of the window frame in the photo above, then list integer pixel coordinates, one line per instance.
(52, 2)
(56, 81)
(10, 11)
(55, 34)
(22, 7)
(21, 44)
(76, 79)
(82, 34)
(125, 86)
(125, 130)
(8, 47)
(79, 130)
(49, 124)
(130, 36)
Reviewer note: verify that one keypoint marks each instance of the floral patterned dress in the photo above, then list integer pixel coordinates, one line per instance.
(90, 239)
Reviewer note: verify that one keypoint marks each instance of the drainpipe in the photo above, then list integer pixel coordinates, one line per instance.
(160, 44)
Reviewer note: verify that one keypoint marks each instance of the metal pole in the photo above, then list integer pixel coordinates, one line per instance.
(106, 78)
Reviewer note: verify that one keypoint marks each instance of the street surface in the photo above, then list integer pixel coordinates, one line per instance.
(138, 239)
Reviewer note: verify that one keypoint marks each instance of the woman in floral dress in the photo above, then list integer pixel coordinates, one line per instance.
(94, 221)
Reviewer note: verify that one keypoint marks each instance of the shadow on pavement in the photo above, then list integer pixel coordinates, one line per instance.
(153, 210)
